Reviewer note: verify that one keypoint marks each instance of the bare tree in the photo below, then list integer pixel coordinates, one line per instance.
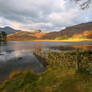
(83, 3)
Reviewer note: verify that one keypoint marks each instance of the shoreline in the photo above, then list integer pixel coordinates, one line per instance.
(65, 40)
(89, 40)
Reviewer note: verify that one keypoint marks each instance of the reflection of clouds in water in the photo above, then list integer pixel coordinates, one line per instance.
(22, 53)
(21, 49)
(18, 60)
(6, 56)
(15, 54)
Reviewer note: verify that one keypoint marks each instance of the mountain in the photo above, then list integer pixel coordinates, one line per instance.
(26, 35)
(9, 30)
(80, 31)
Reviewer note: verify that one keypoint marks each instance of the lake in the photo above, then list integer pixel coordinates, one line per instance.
(15, 56)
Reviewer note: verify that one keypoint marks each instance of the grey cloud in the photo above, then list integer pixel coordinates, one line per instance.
(36, 14)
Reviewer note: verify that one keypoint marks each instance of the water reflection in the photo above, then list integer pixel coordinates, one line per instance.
(19, 55)
(18, 60)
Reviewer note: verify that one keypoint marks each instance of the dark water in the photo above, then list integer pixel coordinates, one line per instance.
(16, 56)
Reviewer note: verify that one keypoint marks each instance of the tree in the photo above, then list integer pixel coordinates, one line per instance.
(0, 37)
(83, 3)
(4, 35)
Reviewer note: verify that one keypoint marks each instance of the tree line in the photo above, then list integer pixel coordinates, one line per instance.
(3, 36)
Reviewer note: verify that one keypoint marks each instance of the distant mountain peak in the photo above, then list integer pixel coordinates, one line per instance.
(7, 27)
(9, 30)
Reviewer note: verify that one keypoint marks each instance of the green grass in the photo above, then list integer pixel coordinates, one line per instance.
(55, 79)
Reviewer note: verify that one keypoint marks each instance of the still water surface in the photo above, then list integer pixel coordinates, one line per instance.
(16, 56)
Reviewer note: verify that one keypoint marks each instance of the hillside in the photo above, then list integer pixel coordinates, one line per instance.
(25, 35)
(8, 30)
(81, 31)
(77, 31)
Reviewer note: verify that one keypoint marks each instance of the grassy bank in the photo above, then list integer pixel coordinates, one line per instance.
(76, 59)
(55, 79)
(60, 76)
(67, 40)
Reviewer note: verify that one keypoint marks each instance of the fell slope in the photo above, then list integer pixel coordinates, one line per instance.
(81, 31)
(25, 36)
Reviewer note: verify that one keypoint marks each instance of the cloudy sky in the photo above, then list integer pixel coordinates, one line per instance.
(47, 15)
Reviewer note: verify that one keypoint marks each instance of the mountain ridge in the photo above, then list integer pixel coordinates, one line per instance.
(79, 31)
(8, 30)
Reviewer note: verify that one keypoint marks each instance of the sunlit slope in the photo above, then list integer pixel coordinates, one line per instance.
(25, 35)
(81, 32)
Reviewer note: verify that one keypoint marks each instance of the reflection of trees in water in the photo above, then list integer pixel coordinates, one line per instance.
(1, 45)
(3, 39)
(3, 42)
